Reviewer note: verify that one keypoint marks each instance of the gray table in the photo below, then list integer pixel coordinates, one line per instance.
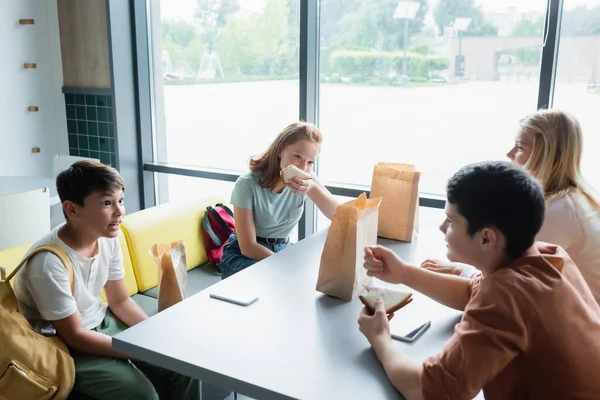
(19, 184)
(293, 342)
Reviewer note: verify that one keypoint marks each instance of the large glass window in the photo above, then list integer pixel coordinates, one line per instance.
(437, 84)
(577, 87)
(179, 188)
(228, 81)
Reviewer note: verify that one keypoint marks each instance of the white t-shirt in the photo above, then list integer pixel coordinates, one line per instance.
(43, 289)
(573, 224)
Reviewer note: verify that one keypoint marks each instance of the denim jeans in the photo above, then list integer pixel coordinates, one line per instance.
(234, 261)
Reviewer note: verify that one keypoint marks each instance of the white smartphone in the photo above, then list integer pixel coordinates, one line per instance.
(408, 332)
(234, 296)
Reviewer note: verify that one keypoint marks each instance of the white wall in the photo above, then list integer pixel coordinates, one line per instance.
(20, 130)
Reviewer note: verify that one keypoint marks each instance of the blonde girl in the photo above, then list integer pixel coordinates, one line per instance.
(549, 146)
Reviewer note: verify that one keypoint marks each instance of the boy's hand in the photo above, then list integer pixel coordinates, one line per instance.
(375, 326)
(383, 264)
(299, 186)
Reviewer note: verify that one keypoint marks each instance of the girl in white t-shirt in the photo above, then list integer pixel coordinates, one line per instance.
(549, 145)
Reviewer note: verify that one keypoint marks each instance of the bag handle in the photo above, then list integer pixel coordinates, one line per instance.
(227, 209)
(209, 231)
(57, 251)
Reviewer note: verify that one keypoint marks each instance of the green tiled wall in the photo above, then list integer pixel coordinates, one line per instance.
(91, 127)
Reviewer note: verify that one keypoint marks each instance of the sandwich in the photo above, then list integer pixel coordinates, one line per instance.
(292, 171)
(393, 300)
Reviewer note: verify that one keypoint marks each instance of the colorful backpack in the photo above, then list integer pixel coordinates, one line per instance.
(217, 225)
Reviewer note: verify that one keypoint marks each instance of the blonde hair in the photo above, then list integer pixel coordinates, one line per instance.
(267, 164)
(555, 159)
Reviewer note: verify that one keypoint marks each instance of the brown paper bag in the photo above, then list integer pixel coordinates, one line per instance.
(172, 273)
(398, 187)
(353, 226)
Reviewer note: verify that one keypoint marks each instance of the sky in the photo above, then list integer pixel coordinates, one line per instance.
(184, 9)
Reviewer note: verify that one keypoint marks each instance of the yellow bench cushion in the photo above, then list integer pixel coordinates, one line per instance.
(132, 287)
(129, 278)
(10, 258)
(166, 223)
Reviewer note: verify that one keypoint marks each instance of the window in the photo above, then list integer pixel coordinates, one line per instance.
(179, 188)
(227, 80)
(577, 85)
(437, 84)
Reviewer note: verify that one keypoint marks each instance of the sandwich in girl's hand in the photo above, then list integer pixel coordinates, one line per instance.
(392, 299)
(291, 171)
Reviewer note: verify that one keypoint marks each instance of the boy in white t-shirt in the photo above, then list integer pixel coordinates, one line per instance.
(91, 194)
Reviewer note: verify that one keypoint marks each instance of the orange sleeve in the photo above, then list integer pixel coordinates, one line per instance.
(474, 284)
(491, 333)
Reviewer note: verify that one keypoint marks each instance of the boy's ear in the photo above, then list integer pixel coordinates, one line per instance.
(489, 238)
(70, 209)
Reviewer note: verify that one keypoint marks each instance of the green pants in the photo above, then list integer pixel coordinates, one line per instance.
(102, 378)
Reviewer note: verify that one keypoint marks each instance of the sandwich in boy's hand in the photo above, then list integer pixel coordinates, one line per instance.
(292, 171)
(392, 299)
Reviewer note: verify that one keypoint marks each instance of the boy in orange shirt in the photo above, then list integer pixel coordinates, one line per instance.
(530, 328)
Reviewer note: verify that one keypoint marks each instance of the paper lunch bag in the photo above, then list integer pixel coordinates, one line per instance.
(398, 187)
(172, 273)
(353, 226)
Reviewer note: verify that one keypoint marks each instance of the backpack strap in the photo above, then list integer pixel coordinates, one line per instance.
(226, 209)
(209, 231)
(56, 250)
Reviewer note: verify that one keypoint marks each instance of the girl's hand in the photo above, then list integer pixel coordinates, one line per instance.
(443, 267)
(299, 186)
(453, 268)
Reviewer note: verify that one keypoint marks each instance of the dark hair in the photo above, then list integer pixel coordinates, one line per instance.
(84, 177)
(499, 194)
